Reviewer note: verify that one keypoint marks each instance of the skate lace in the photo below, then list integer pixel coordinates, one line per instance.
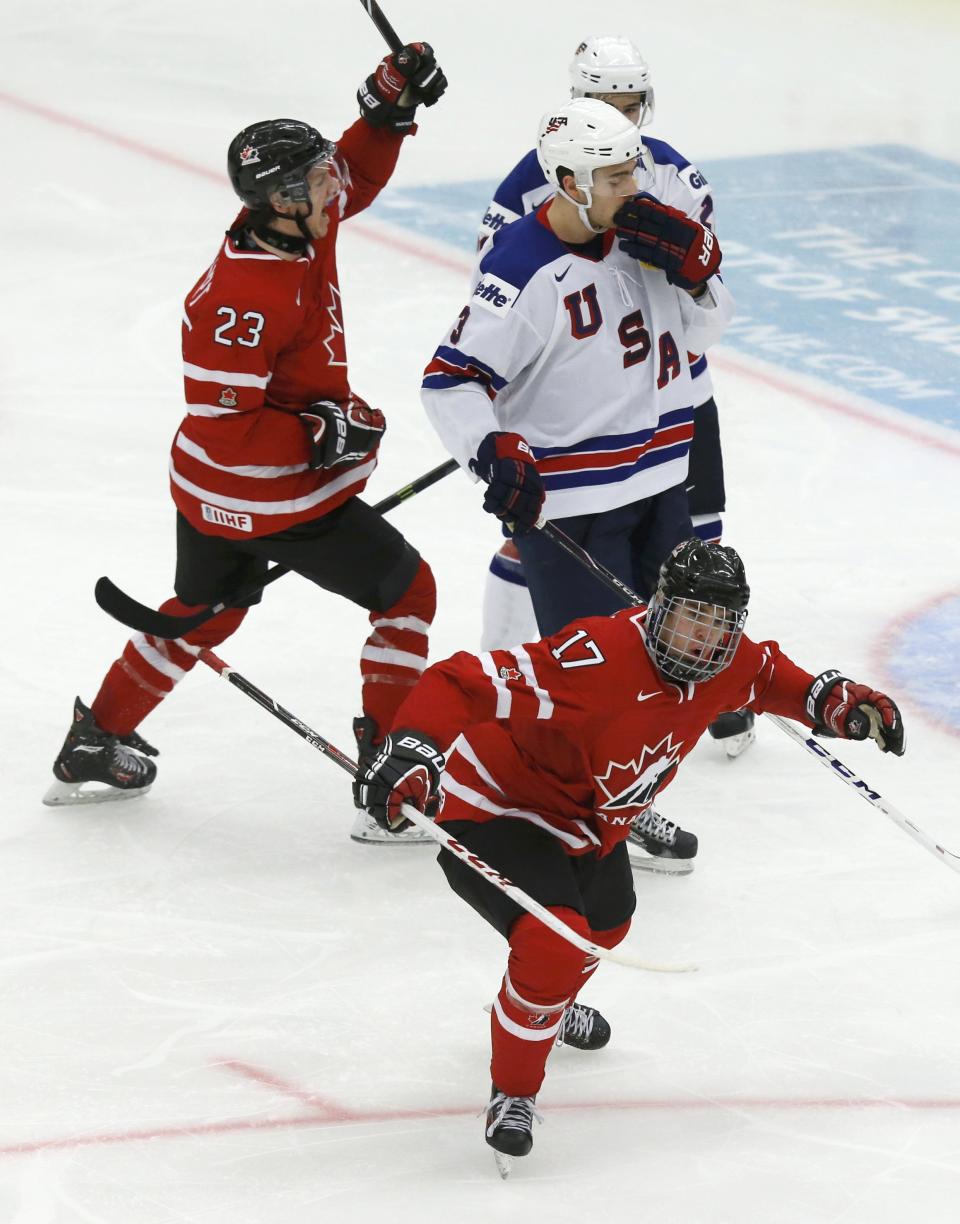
(125, 761)
(512, 1113)
(577, 1022)
(656, 826)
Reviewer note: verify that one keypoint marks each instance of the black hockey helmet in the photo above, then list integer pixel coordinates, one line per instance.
(273, 156)
(710, 573)
(696, 616)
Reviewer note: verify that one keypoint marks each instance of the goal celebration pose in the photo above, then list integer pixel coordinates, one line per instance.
(276, 447)
(556, 747)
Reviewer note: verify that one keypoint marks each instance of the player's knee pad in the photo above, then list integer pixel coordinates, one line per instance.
(544, 967)
(610, 938)
(418, 597)
(216, 630)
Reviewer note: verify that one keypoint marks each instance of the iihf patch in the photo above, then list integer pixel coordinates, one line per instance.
(226, 518)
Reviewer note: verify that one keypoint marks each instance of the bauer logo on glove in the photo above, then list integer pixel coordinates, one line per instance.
(342, 433)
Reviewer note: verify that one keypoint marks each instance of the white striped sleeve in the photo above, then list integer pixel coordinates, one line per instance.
(525, 664)
(504, 696)
(228, 378)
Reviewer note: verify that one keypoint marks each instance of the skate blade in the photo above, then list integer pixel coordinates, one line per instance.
(72, 794)
(641, 861)
(737, 745)
(368, 833)
(504, 1164)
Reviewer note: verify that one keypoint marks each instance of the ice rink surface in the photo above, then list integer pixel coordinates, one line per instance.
(215, 1006)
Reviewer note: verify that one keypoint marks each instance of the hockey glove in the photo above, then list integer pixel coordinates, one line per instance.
(515, 489)
(406, 769)
(390, 96)
(841, 708)
(342, 433)
(656, 234)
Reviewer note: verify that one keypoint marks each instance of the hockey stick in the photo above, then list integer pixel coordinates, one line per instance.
(826, 758)
(424, 823)
(378, 17)
(846, 774)
(134, 615)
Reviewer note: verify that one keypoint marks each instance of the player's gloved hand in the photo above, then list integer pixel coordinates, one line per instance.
(342, 433)
(841, 708)
(656, 234)
(390, 96)
(515, 489)
(406, 769)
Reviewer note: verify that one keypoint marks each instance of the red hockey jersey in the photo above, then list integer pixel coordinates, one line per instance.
(262, 339)
(579, 732)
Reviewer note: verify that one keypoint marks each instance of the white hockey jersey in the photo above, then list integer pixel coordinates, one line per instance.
(583, 351)
(672, 179)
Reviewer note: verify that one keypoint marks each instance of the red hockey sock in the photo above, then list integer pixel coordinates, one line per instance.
(151, 667)
(395, 653)
(543, 975)
(606, 939)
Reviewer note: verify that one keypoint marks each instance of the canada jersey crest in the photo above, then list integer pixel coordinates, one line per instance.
(634, 784)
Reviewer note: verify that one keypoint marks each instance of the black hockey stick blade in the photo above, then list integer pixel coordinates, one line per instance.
(135, 615)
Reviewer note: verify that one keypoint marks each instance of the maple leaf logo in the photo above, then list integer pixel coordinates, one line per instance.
(635, 783)
(336, 327)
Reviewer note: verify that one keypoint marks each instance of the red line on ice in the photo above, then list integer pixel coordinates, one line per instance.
(324, 1112)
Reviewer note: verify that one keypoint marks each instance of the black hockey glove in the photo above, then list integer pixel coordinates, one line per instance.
(656, 234)
(515, 491)
(342, 433)
(841, 708)
(390, 96)
(406, 769)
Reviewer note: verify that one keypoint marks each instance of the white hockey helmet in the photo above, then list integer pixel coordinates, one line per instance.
(580, 137)
(583, 135)
(609, 64)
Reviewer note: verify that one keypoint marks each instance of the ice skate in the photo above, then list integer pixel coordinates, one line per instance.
(658, 845)
(583, 1028)
(97, 767)
(735, 730)
(365, 828)
(509, 1127)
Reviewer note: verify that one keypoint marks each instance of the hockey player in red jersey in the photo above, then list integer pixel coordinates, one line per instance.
(556, 747)
(275, 448)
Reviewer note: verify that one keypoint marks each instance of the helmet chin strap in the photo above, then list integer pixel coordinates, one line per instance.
(290, 244)
(582, 208)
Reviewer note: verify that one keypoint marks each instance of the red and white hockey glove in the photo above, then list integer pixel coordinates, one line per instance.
(657, 234)
(841, 708)
(515, 491)
(390, 96)
(406, 769)
(342, 433)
